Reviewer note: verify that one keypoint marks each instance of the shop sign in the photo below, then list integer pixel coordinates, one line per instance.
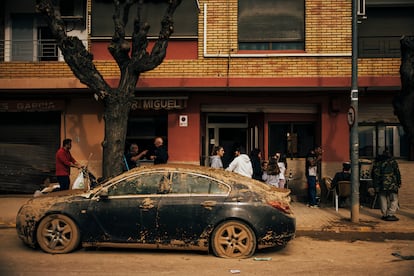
(159, 103)
(31, 105)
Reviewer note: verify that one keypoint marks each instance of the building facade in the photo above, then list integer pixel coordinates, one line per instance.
(273, 75)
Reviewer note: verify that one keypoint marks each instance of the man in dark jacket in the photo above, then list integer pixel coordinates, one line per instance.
(386, 179)
(344, 175)
(158, 153)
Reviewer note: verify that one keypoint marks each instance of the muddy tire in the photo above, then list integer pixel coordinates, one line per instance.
(58, 234)
(233, 239)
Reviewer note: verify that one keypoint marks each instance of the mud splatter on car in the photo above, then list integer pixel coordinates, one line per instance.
(165, 206)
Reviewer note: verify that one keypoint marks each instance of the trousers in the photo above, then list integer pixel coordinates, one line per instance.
(312, 190)
(388, 202)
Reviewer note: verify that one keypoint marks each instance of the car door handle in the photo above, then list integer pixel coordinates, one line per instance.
(209, 203)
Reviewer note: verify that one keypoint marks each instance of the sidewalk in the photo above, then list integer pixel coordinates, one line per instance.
(307, 219)
(327, 219)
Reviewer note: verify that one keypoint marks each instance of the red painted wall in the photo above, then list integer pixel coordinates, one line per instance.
(176, 50)
(184, 142)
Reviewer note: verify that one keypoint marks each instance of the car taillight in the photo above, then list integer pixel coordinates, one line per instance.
(285, 208)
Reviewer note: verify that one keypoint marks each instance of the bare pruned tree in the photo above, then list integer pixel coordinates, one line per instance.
(132, 58)
(404, 101)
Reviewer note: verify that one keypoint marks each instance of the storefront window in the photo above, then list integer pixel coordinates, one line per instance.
(374, 139)
(143, 129)
(293, 139)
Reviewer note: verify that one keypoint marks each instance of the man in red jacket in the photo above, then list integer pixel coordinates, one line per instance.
(64, 161)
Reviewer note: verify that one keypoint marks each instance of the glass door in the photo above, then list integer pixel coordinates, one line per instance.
(229, 131)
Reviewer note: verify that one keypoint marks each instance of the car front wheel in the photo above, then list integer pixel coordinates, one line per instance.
(57, 234)
(233, 239)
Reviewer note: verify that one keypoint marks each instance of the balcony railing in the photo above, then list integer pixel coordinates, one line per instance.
(29, 50)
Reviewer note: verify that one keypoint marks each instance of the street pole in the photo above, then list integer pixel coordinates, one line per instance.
(354, 143)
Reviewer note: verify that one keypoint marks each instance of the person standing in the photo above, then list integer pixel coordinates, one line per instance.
(386, 179)
(158, 153)
(272, 172)
(215, 158)
(311, 171)
(133, 156)
(255, 158)
(241, 164)
(64, 161)
(282, 163)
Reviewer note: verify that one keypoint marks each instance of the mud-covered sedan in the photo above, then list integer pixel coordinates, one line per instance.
(162, 206)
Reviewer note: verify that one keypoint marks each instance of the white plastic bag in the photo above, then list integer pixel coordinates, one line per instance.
(79, 181)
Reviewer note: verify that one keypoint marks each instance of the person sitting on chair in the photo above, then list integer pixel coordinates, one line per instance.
(344, 175)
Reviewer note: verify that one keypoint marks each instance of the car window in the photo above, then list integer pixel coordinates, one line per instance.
(196, 184)
(150, 183)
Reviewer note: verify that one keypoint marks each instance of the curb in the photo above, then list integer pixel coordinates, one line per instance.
(4, 225)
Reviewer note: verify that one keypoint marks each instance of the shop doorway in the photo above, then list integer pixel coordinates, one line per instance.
(143, 128)
(229, 131)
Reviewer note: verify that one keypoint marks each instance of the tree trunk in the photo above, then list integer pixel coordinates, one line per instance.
(116, 124)
(404, 101)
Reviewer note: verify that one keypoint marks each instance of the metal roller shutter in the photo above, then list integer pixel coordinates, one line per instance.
(28, 142)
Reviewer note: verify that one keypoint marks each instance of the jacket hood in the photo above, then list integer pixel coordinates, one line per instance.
(214, 157)
(244, 157)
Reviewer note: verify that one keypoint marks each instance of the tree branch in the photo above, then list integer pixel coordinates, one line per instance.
(119, 47)
(142, 61)
(74, 52)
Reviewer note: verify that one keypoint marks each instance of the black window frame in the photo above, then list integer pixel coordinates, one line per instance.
(254, 35)
(185, 19)
(380, 32)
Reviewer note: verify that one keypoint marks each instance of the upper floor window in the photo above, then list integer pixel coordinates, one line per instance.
(26, 36)
(185, 18)
(271, 25)
(379, 34)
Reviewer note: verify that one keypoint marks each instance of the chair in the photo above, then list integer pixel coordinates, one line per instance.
(328, 185)
(344, 188)
(331, 190)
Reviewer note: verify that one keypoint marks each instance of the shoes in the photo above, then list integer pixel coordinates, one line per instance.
(390, 218)
(313, 206)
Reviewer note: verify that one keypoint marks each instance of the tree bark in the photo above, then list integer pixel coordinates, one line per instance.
(117, 101)
(404, 101)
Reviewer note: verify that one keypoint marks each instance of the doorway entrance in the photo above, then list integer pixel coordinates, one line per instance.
(229, 131)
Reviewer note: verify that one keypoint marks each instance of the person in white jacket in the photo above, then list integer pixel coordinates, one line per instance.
(281, 162)
(241, 164)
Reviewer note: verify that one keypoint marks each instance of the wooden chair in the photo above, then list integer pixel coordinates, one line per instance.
(344, 189)
(331, 190)
(328, 185)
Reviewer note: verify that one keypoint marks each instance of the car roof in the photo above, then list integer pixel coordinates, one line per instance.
(235, 180)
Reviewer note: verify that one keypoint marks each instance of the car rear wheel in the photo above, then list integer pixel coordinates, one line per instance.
(233, 239)
(58, 234)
